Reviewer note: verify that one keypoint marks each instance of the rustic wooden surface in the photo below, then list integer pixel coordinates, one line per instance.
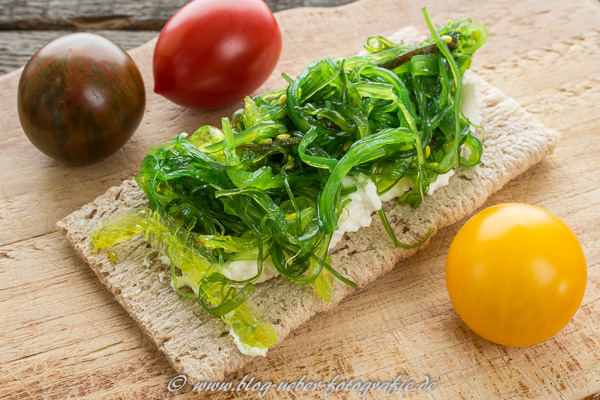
(27, 26)
(63, 335)
(16, 47)
(147, 14)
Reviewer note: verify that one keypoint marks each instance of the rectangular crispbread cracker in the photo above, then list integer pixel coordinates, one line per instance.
(197, 344)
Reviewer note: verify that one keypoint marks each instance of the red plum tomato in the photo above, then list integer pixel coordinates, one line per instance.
(213, 53)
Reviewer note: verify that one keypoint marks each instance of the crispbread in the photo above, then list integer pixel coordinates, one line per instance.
(197, 344)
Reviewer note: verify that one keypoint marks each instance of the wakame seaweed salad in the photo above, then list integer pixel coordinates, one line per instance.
(268, 184)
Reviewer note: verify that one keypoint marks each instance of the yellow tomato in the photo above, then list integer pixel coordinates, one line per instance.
(516, 274)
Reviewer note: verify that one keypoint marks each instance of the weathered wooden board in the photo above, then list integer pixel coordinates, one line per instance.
(111, 14)
(16, 47)
(27, 26)
(63, 335)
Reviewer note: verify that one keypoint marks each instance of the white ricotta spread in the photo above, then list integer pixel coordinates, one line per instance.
(246, 349)
(239, 270)
(470, 98)
(182, 281)
(401, 187)
(440, 182)
(357, 214)
(470, 106)
(164, 259)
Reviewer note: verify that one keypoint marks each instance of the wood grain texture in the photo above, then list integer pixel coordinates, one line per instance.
(111, 14)
(27, 26)
(17, 47)
(65, 336)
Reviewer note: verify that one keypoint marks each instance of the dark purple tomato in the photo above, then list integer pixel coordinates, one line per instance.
(212, 53)
(80, 98)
